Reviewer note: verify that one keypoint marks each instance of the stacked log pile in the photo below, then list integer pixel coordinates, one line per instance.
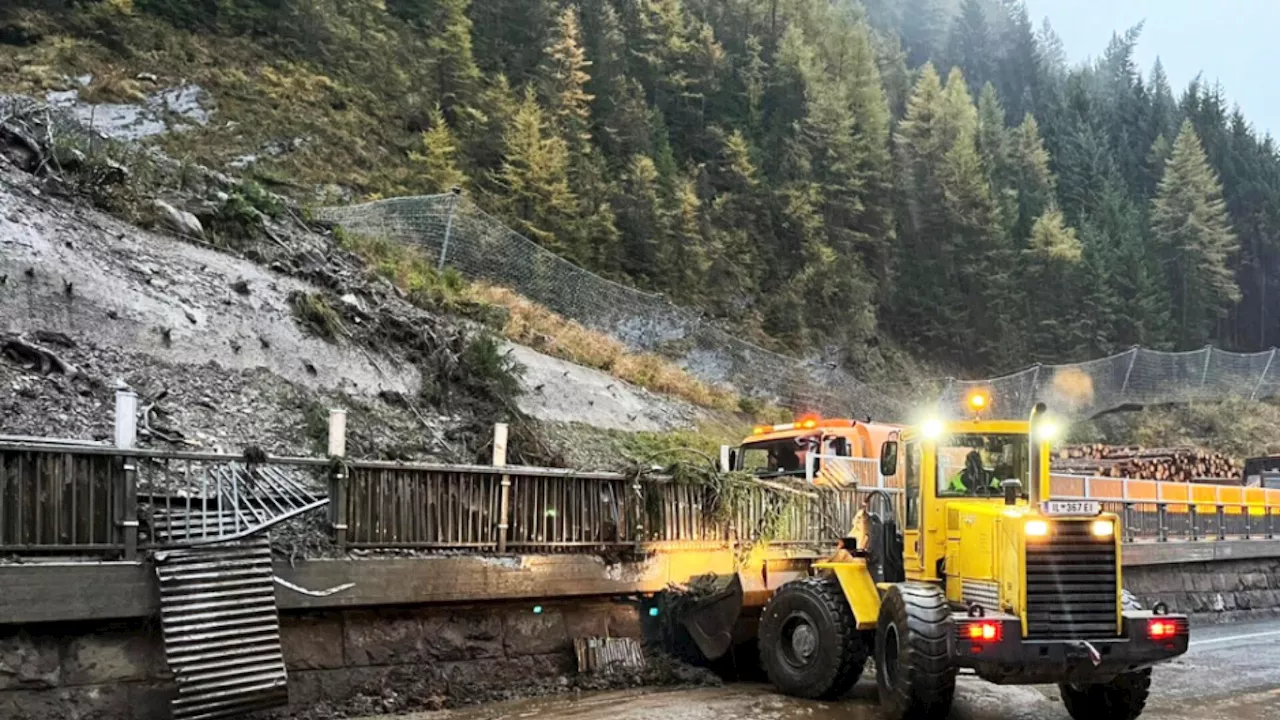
(1178, 464)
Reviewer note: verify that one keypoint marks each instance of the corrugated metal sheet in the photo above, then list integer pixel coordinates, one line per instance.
(222, 630)
(603, 655)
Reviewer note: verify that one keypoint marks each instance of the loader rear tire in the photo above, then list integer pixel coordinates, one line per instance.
(1124, 698)
(810, 645)
(914, 671)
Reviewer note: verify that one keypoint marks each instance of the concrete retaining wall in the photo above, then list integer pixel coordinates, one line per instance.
(1212, 591)
(364, 660)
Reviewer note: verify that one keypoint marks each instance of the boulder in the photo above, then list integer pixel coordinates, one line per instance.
(179, 221)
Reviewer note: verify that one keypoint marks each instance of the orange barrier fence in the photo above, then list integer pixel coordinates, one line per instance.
(1152, 509)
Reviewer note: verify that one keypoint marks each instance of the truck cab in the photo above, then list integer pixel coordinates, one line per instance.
(837, 452)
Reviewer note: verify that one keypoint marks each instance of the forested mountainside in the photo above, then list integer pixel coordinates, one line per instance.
(815, 173)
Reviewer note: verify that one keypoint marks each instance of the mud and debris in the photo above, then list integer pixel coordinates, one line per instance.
(452, 685)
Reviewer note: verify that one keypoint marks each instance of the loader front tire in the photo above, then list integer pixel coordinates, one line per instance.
(1124, 698)
(809, 641)
(914, 672)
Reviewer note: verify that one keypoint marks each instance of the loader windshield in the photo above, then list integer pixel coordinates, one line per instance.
(976, 464)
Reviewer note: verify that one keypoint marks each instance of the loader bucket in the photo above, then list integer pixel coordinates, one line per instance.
(711, 620)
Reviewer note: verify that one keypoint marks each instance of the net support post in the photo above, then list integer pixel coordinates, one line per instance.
(1263, 377)
(455, 196)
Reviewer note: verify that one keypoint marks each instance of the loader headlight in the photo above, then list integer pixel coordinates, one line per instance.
(1037, 528)
(1048, 430)
(1103, 528)
(932, 429)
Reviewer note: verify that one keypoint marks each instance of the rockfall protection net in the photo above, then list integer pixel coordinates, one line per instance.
(460, 235)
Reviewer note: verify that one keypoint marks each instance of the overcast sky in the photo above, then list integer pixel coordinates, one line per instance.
(1228, 41)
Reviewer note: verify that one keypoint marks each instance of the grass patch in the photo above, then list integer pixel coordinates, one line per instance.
(545, 331)
(588, 447)
(316, 314)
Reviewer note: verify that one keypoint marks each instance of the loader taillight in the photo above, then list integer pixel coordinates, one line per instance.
(984, 631)
(1163, 629)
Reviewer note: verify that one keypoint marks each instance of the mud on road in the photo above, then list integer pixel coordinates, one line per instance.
(1232, 672)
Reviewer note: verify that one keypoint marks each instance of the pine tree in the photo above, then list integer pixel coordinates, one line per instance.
(436, 164)
(1189, 221)
(640, 220)
(970, 46)
(451, 65)
(1021, 72)
(1051, 284)
(534, 179)
(563, 79)
(510, 35)
(1029, 176)
(923, 29)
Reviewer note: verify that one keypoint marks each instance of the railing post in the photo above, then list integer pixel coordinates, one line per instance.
(126, 439)
(1129, 513)
(1222, 522)
(1194, 517)
(338, 479)
(504, 503)
(1162, 522)
(1270, 524)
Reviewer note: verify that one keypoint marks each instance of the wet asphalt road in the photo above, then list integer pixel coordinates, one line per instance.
(1232, 672)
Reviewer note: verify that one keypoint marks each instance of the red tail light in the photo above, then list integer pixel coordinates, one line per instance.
(1160, 629)
(984, 632)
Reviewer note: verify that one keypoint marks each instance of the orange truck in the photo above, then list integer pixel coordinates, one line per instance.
(836, 452)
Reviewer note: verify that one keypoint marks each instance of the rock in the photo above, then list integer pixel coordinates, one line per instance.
(147, 77)
(241, 286)
(179, 221)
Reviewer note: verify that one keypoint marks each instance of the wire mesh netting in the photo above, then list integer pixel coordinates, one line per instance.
(460, 235)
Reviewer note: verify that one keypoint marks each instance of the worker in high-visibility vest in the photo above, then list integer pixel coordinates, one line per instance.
(973, 477)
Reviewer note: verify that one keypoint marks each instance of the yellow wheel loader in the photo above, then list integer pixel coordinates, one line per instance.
(982, 577)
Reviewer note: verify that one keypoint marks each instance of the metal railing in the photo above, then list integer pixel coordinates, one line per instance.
(434, 507)
(56, 499)
(106, 501)
(61, 498)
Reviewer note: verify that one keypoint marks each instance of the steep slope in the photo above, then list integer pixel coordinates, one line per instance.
(215, 341)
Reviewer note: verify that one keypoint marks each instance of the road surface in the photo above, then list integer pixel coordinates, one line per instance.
(1232, 672)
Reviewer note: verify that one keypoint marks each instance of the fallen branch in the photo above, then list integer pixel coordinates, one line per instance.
(45, 359)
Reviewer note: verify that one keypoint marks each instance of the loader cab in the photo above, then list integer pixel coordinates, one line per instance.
(954, 464)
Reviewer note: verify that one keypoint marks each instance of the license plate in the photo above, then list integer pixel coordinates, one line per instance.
(1072, 507)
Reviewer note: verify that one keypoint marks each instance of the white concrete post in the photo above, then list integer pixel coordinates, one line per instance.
(126, 418)
(338, 478)
(127, 439)
(337, 433)
(500, 461)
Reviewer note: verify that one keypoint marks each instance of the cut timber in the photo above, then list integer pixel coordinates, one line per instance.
(605, 655)
(1176, 464)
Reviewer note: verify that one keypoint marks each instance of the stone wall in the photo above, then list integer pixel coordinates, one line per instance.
(76, 672)
(1217, 591)
(359, 660)
(396, 659)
